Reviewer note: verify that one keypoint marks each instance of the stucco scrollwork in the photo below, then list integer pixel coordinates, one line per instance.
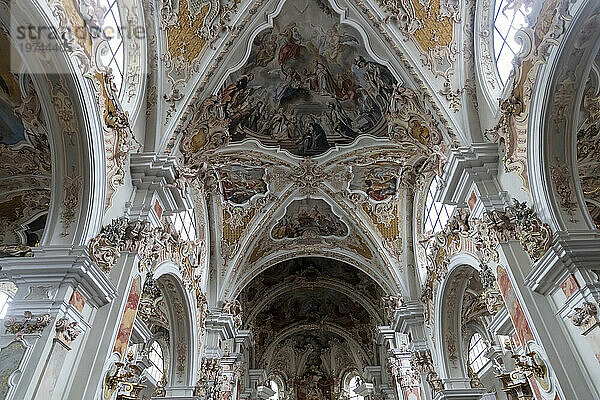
(153, 245)
(586, 316)
(30, 324)
(391, 303)
(66, 331)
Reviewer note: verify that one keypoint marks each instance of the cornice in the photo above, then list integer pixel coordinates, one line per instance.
(569, 252)
(58, 266)
(475, 165)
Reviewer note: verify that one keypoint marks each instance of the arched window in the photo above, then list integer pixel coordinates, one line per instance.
(184, 224)
(5, 298)
(507, 21)
(274, 387)
(157, 361)
(477, 349)
(436, 214)
(354, 383)
(7, 292)
(112, 30)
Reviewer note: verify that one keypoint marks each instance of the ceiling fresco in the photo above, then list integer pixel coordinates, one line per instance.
(309, 217)
(306, 292)
(307, 87)
(310, 270)
(308, 307)
(240, 184)
(379, 181)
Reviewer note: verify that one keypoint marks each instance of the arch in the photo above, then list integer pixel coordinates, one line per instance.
(359, 354)
(271, 262)
(321, 284)
(447, 314)
(75, 133)
(551, 132)
(183, 343)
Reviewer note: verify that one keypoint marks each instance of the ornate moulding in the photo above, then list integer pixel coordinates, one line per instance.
(30, 324)
(512, 129)
(480, 238)
(153, 245)
(230, 50)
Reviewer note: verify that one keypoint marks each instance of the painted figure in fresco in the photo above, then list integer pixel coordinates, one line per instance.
(291, 48)
(325, 83)
(309, 221)
(335, 43)
(234, 94)
(292, 86)
(255, 121)
(316, 85)
(239, 185)
(381, 184)
(267, 48)
(379, 80)
(339, 120)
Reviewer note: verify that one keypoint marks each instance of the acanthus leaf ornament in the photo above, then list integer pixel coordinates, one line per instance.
(152, 245)
(30, 324)
(67, 331)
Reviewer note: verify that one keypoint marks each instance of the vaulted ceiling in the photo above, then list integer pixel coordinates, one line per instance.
(312, 128)
(309, 305)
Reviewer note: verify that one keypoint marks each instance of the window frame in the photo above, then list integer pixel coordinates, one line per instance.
(5, 300)
(184, 223)
(352, 395)
(119, 71)
(510, 36)
(480, 360)
(435, 207)
(153, 365)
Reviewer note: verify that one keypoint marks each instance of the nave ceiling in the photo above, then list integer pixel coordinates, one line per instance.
(311, 142)
(304, 310)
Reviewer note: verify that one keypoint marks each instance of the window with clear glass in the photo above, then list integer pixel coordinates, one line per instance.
(355, 382)
(436, 214)
(507, 21)
(5, 299)
(113, 33)
(477, 349)
(184, 224)
(157, 362)
(274, 387)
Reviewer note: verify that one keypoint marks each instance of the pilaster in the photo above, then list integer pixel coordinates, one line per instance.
(536, 323)
(50, 318)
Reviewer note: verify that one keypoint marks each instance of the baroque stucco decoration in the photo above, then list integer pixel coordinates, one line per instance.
(153, 244)
(546, 31)
(480, 237)
(25, 159)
